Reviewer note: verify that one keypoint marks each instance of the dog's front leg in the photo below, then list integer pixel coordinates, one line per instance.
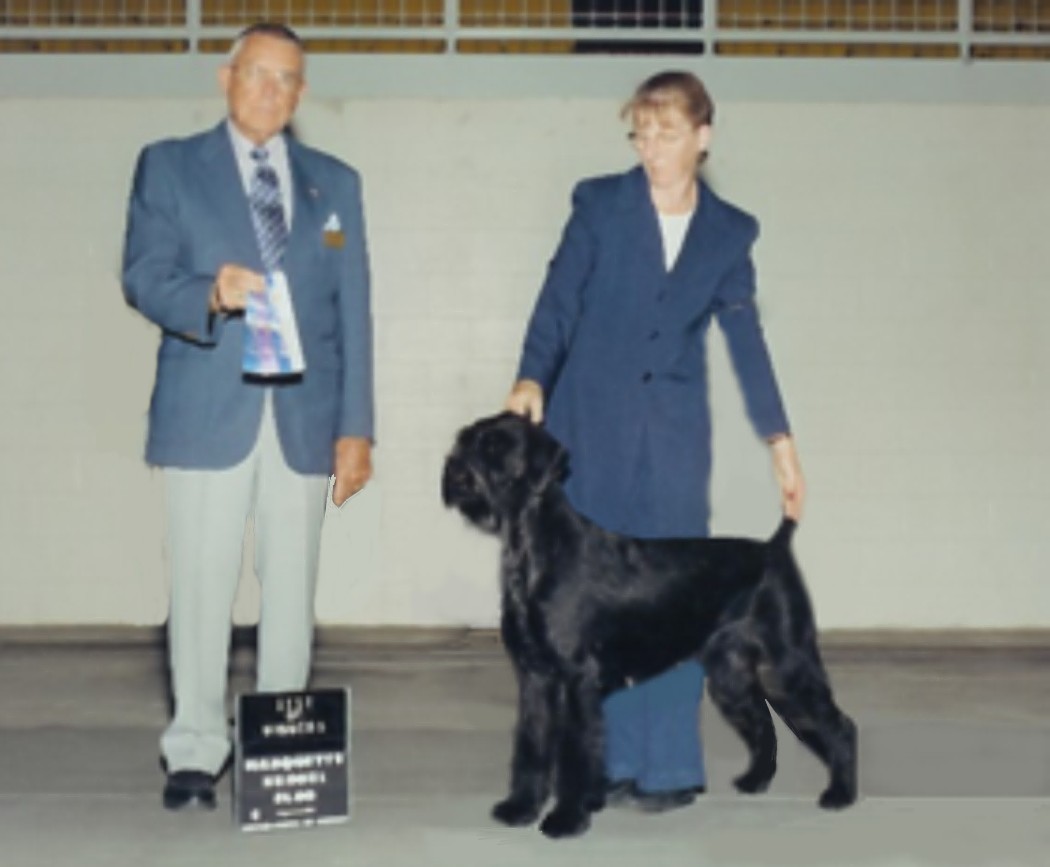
(580, 777)
(531, 766)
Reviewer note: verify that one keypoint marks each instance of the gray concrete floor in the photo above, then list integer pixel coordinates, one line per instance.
(955, 765)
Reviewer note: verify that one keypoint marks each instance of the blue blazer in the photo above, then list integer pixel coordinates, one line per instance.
(619, 345)
(187, 216)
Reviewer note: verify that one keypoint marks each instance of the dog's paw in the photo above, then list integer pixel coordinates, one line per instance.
(837, 797)
(754, 782)
(565, 822)
(515, 812)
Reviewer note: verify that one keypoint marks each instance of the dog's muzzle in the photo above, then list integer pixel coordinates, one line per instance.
(462, 489)
(457, 482)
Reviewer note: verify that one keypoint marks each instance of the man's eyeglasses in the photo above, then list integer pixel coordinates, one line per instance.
(255, 75)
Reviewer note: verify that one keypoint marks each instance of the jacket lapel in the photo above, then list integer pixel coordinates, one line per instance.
(307, 209)
(699, 247)
(221, 180)
(643, 232)
(700, 242)
(709, 248)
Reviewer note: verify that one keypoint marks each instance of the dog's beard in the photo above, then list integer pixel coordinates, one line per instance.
(479, 514)
(461, 489)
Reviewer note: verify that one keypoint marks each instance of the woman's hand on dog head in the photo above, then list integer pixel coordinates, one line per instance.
(526, 398)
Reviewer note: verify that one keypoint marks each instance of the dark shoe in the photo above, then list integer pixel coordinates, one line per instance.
(189, 788)
(672, 799)
(619, 792)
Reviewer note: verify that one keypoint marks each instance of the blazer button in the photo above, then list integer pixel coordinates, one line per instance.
(653, 335)
(647, 376)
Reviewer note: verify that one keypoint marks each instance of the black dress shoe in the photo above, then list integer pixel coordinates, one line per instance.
(672, 799)
(189, 789)
(619, 792)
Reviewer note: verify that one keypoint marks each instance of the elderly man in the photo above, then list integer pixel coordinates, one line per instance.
(220, 223)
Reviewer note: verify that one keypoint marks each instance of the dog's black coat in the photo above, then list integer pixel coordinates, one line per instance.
(587, 612)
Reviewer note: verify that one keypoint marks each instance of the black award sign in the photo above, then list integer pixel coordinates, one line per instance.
(292, 759)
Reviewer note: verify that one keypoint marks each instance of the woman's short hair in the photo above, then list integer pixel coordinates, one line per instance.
(677, 89)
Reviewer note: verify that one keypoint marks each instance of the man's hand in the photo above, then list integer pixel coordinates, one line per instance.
(526, 398)
(353, 467)
(788, 472)
(232, 285)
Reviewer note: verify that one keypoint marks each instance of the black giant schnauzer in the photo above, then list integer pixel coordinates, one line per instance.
(587, 612)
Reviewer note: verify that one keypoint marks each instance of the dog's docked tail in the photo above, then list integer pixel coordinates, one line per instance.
(778, 550)
(781, 539)
(778, 556)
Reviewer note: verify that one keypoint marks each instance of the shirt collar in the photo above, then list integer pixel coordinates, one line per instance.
(275, 146)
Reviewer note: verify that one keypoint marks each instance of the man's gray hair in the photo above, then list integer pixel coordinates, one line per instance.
(263, 28)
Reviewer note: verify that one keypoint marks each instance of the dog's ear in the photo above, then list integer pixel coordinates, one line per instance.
(546, 459)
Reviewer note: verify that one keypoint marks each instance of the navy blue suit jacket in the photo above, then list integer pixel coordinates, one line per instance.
(189, 215)
(619, 345)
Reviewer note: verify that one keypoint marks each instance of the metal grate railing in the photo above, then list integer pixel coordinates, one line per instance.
(624, 14)
(872, 28)
(324, 13)
(1011, 16)
(847, 15)
(92, 13)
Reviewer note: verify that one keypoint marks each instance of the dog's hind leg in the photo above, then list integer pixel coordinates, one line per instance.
(798, 689)
(730, 660)
(580, 761)
(539, 699)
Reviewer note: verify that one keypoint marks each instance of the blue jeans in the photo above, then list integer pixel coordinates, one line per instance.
(652, 731)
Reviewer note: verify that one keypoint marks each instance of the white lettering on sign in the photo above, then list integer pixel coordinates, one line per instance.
(265, 764)
(292, 729)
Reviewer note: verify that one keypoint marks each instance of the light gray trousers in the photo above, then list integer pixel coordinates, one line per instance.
(207, 512)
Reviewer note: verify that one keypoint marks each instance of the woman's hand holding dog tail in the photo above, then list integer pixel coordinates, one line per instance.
(526, 398)
(788, 472)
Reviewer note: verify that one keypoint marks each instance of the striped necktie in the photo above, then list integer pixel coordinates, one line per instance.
(264, 196)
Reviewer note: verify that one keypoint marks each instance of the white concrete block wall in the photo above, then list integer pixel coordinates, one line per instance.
(904, 276)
